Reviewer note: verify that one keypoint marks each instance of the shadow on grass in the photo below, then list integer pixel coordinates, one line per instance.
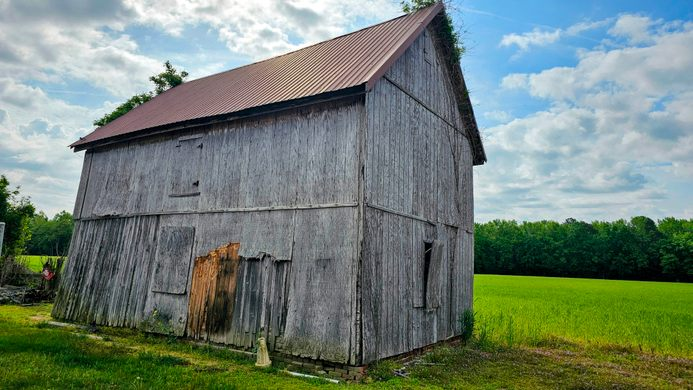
(557, 364)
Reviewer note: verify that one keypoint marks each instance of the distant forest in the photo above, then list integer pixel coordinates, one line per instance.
(638, 249)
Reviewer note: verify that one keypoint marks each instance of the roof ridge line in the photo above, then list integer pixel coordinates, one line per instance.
(404, 44)
(316, 43)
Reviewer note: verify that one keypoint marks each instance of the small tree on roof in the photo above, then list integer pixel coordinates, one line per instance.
(448, 29)
(167, 79)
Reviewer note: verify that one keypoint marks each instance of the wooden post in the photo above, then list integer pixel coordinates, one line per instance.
(2, 234)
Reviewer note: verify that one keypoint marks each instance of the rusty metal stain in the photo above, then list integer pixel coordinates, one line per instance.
(213, 291)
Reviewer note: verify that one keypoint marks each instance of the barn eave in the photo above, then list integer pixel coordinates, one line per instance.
(326, 97)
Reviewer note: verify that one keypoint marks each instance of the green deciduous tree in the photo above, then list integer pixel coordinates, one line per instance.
(124, 108)
(50, 236)
(636, 249)
(16, 211)
(163, 81)
(168, 79)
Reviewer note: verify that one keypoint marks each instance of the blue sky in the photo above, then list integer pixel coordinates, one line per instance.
(584, 107)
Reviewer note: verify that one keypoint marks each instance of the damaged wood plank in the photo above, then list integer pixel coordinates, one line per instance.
(234, 300)
(213, 291)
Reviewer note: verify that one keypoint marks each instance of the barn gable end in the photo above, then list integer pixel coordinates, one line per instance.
(417, 192)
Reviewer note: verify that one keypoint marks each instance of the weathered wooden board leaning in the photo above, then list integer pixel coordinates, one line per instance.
(339, 226)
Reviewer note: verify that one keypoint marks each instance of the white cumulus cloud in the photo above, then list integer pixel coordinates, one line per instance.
(614, 140)
(83, 47)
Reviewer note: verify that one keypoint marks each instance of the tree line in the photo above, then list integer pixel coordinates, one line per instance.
(636, 249)
(639, 249)
(29, 232)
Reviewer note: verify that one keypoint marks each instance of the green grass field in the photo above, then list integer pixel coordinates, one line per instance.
(532, 333)
(650, 316)
(35, 263)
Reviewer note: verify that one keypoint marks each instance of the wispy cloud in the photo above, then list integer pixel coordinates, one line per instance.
(535, 37)
(544, 36)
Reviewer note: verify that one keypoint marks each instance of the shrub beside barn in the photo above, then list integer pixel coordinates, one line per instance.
(321, 199)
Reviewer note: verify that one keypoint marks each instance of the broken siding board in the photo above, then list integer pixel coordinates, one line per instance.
(278, 302)
(83, 183)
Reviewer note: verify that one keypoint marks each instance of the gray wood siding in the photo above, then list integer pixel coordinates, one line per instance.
(108, 274)
(303, 157)
(319, 321)
(413, 156)
(336, 201)
(111, 276)
(81, 189)
(300, 168)
(418, 187)
(421, 73)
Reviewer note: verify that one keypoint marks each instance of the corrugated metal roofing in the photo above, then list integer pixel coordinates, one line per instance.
(358, 58)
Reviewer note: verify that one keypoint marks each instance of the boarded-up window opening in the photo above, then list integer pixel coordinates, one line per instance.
(185, 175)
(173, 256)
(428, 248)
(428, 277)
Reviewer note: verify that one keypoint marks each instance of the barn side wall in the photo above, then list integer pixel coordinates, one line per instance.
(284, 186)
(418, 195)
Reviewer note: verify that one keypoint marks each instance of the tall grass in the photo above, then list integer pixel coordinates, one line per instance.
(651, 316)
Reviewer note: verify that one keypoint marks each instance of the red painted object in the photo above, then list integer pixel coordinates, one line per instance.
(47, 274)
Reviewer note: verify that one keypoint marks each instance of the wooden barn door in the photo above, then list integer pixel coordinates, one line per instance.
(235, 300)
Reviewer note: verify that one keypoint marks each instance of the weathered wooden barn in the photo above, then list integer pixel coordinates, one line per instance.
(321, 198)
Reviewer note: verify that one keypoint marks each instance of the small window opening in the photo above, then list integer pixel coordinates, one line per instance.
(428, 249)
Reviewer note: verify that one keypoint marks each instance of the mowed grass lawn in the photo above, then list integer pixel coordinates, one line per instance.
(532, 333)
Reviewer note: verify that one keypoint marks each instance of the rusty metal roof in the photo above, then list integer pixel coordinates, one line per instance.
(358, 58)
(350, 63)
